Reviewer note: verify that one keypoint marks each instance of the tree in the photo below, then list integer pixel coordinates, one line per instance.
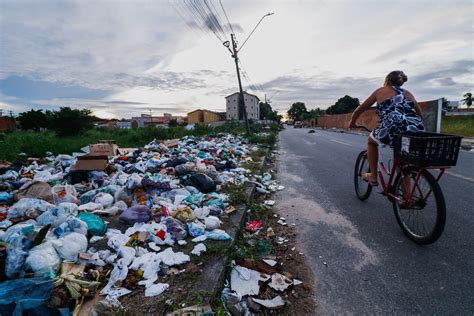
(68, 122)
(33, 120)
(346, 104)
(297, 111)
(267, 113)
(265, 110)
(274, 116)
(467, 99)
(173, 122)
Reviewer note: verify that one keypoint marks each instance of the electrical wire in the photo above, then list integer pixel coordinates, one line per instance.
(202, 14)
(227, 17)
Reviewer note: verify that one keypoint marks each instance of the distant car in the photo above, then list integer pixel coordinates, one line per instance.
(298, 124)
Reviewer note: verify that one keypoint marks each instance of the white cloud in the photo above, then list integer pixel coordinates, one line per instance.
(143, 54)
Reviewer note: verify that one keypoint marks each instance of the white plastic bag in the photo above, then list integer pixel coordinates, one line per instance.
(212, 222)
(43, 259)
(71, 224)
(57, 215)
(105, 199)
(28, 206)
(70, 245)
(64, 193)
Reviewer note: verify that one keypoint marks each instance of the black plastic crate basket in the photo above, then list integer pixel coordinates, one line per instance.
(426, 149)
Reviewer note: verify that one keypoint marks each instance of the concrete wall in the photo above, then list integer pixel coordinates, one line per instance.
(210, 117)
(370, 119)
(195, 117)
(204, 117)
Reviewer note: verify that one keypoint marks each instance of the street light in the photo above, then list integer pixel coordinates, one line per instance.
(263, 17)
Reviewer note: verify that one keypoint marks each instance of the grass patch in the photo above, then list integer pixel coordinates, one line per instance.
(253, 166)
(258, 211)
(458, 125)
(236, 193)
(269, 139)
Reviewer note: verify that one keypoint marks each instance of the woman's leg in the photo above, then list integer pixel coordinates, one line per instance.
(373, 157)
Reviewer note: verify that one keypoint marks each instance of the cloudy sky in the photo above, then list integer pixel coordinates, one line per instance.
(123, 58)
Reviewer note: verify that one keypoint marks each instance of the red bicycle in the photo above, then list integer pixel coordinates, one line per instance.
(417, 198)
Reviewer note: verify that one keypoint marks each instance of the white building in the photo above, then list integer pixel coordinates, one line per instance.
(124, 123)
(251, 104)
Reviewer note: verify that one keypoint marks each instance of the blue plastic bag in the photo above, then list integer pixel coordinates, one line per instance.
(25, 293)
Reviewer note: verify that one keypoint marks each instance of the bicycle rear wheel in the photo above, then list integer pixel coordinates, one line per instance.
(362, 187)
(422, 218)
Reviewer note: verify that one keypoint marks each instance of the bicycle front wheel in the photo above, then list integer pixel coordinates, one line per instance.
(362, 187)
(419, 205)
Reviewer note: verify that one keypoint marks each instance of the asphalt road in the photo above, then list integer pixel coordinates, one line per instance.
(363, 264)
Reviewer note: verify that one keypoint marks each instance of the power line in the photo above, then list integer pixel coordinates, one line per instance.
(219, 16)
(255, 86)
(227, 17)
(201, 14)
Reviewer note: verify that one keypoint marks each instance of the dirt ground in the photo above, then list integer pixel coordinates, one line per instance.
(301, 298)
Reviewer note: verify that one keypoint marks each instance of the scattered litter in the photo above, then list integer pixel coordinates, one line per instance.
(198, 249)
(153, 246)
(245, 281)
(280, 282)
(270, 232)
(271, 263)
(297, 282)
(274, 303)
(156, 289)
(253, 226)
(281, 222)
(270, 202)
(198, 239)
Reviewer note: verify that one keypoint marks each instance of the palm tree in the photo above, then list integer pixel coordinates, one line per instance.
(467, 99)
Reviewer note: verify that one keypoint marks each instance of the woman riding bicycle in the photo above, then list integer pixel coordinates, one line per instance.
(398, 111)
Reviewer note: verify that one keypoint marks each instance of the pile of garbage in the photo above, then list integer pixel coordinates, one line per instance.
(68, 232)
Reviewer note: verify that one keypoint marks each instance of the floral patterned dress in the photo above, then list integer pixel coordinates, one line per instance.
(397, 115)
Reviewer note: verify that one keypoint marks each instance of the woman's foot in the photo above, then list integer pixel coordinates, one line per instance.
(372, 180)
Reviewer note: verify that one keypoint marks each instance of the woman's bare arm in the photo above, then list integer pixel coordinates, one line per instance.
(363, 107)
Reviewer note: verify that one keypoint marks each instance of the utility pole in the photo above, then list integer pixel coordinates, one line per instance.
(241, 92)
(234, 52)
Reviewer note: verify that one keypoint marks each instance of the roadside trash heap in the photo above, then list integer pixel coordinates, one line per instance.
(75, 226)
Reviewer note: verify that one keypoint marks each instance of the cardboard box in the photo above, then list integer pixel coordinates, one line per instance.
(171, 143)
(91, 163)
(103, 149)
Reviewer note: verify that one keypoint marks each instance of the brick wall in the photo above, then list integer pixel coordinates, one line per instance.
(6, 124)
(370, 118)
